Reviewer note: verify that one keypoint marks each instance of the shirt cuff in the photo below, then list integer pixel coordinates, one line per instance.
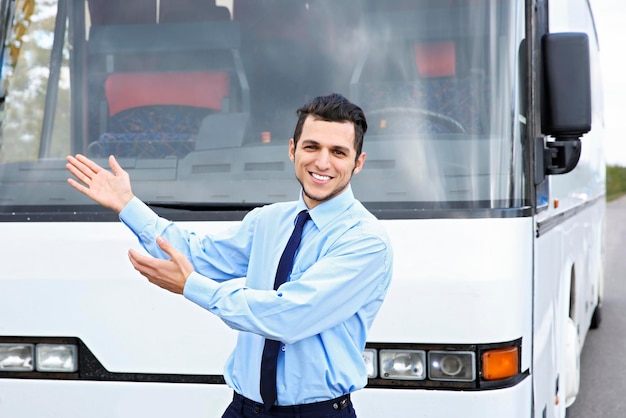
(136, 215)
(200, 290)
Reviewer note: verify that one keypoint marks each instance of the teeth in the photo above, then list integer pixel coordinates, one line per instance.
(317, 176)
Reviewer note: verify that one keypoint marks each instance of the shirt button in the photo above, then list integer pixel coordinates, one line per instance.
(283, 348)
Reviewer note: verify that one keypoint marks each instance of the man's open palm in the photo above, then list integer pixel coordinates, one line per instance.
(110, 189)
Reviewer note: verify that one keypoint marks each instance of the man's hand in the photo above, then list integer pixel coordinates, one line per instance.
(109, 189)
(169, 274)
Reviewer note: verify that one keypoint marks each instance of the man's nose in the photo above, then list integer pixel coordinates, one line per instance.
(323, 159)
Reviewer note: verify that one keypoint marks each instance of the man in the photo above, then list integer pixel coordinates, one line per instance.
(299, 346)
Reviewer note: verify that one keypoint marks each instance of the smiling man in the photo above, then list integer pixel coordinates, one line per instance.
(302, 314)
(328, 153)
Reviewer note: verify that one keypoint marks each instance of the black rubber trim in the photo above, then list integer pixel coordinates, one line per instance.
(396, 210)
(90, 368)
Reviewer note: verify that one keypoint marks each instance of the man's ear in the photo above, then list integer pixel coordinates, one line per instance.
(359, 163)
(292, 150)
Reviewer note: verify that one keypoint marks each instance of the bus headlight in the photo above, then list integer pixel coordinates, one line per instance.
(403, 364)
(56, 358)
(16, 357)
(451, 365)
(371, 362)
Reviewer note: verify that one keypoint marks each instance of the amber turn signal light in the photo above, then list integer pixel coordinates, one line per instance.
(500, 363)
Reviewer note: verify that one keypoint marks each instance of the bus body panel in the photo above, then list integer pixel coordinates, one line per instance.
(568, 284)
(81, 289)
(431, 274)
(569, 249)
(464, 277)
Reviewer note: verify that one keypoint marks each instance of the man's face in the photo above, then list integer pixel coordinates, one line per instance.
(325, 159)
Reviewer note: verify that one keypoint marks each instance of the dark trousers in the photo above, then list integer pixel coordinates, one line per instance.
(242, 407)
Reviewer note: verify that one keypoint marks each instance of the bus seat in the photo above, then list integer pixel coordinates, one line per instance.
(284, 45)
(176, 47)
(436, 101)
(107, 13)
(121, 12)
(192, 11)
(275, 19)
(189, 11)
(435, 59)
(158, 114)
(431, 106)
(200, 89)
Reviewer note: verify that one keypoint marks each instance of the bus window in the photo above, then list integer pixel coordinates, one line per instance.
(434, 80)
(36, 104)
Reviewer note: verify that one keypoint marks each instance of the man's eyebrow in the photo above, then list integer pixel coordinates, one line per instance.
(334, 147)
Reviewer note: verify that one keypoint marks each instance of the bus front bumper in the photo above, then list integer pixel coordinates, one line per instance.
(27, 398)
(510, 402)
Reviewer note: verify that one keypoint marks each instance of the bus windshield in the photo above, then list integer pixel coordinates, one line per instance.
(197, 99)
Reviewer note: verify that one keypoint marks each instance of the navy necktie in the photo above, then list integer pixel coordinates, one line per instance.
(270, 351)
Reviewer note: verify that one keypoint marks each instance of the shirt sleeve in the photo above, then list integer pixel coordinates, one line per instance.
(221, 257)
(353, 277)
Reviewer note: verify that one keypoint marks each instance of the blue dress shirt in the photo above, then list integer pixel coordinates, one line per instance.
(340, 275)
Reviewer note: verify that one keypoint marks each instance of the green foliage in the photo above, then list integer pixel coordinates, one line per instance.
(615, 182)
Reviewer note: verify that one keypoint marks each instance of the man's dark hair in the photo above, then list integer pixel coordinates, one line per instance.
(334, 108)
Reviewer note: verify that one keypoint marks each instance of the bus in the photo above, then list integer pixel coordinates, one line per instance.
(484, 163)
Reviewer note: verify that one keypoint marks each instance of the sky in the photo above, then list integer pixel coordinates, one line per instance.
(610, 17)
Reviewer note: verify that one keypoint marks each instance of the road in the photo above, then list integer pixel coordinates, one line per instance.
(603, 360)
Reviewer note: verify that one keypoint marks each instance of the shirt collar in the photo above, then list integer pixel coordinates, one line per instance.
(325, 212)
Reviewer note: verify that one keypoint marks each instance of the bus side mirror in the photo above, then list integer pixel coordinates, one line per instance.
(565, 99)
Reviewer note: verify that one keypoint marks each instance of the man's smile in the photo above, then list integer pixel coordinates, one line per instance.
(320, 177)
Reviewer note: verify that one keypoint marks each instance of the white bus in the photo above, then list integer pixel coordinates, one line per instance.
(484, 161)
